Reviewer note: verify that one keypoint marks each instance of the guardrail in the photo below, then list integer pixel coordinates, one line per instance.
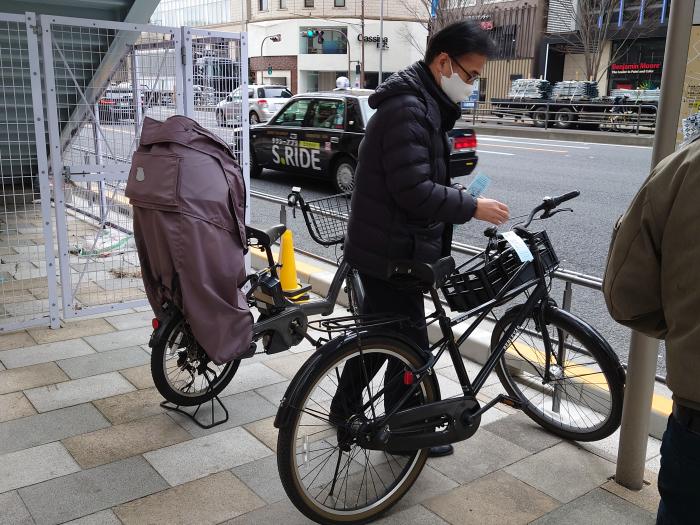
(566, 114)
(570, 278)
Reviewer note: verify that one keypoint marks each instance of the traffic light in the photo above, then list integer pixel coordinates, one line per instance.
(310, 33)
(358, 69)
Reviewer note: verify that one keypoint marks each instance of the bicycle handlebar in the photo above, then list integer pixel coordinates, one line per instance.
(549, 204)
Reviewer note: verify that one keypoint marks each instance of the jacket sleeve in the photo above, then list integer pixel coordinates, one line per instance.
(632, 282)
(406, 162)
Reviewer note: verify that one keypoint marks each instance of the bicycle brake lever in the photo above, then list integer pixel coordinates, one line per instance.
(547, 214)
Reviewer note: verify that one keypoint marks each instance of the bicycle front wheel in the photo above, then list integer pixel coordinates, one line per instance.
(578, 394)
(324, 469)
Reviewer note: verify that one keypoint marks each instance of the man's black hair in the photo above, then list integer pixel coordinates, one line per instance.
(459, 39)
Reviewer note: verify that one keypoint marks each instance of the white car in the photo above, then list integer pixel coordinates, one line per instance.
(263, 101)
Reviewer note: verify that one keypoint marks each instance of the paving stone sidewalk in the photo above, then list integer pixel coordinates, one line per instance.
(84, 440)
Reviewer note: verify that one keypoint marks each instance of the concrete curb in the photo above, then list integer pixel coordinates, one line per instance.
(595, 137)
(319, 275)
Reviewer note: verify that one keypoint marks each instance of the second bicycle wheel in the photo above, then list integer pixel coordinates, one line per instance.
(325, 471)
(579, 395)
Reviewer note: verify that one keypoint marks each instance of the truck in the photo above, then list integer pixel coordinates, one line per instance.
(624, 111)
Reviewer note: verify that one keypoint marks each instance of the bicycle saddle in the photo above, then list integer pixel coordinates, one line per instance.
(265, 237)
(421, 274)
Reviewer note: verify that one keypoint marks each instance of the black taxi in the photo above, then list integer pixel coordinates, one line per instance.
(319, 134)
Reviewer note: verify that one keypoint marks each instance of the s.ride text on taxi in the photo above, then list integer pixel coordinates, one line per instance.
(296, 157)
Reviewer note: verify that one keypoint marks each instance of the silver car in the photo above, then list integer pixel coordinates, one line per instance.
(264, 101)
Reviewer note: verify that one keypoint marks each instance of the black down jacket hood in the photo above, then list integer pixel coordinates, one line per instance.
(403, 205)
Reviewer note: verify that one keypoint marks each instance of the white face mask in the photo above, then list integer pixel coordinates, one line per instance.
(454, 87)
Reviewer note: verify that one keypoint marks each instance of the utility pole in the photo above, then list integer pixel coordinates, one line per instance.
(362, 44)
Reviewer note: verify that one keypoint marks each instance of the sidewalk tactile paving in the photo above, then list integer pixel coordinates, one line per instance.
(14, 406)
(205, 501)
(105, 517)
(564, 471)
(123, 441)
(250, 377)
(496, 499)
(31, 377)
(14, 512)
(78, 391)
(139, 376)
(131, 406)
(51, 426)
(34, 465)
(71, 330)
(595, 508)
(32, 355)
(90, 491)
(479, 455)
(121, 339)
(242, 408)
(103, 362)
(206, 455)
(521, 430)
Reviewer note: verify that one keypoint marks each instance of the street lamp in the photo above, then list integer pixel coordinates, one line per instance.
(274, 38)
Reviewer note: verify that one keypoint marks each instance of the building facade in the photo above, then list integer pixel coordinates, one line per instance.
(631, 40)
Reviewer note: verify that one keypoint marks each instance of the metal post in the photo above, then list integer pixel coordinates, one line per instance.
(98, 161)
(641, 366)
(362, 48)
(546, 61)
(136, 81)
(43, 166)
(381, 40)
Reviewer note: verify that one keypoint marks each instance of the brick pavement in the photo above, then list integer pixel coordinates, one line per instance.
(82, 437)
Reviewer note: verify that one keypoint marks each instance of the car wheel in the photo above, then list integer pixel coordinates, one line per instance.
(220, 119)
(254, 119)
(344, 175)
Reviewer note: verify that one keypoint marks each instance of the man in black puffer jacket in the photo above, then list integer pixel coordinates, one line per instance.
(404, 204)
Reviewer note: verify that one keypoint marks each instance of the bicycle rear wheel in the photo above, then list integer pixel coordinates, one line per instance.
(325, 471)
(580, 396)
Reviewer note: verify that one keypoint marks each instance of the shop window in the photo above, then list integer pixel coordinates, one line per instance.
(339, 3)
(334, 42)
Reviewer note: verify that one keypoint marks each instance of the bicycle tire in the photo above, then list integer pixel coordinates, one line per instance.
(521, 371)
(309, 377)
(175, 326)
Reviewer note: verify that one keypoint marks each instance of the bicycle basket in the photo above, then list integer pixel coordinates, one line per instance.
(482, 278)
(327, 218)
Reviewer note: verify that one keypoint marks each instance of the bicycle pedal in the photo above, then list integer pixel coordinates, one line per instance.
(511, 402)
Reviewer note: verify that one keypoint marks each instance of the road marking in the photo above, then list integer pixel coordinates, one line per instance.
(483, 136)
(526, 148)
(479, 151)
(531, 143)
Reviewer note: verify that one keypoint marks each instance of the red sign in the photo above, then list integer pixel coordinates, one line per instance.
(641, 67)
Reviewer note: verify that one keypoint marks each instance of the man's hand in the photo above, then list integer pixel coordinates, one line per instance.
(491, 211)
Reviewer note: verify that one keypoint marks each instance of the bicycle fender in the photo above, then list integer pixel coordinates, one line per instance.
(285, 410)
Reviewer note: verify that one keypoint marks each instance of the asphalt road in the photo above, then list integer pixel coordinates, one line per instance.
(522, 171)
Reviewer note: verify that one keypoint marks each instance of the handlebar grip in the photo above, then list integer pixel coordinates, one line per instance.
(556, 201)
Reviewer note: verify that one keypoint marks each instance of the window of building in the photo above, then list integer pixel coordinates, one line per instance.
(294, 115)
(334, 41)
(308, 3)
(505, 39)
(263, 5)
(339, 3)
(283, 4)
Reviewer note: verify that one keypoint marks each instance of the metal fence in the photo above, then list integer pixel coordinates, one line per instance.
(101, 80)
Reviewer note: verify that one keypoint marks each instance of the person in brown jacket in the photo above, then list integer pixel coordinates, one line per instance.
(652, 284)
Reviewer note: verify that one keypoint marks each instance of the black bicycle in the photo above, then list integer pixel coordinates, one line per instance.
(357, 420)
(181, 370)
